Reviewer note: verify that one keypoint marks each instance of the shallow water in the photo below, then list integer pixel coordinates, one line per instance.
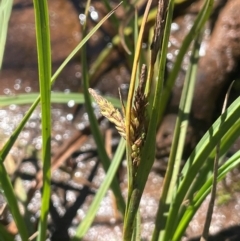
(76, 180)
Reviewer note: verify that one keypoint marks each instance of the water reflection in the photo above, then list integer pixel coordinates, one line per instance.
(93, 14)
(82, 18)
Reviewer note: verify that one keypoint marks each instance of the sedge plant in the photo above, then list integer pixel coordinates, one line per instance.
(141, 116)
(45, 79)
(137, 122)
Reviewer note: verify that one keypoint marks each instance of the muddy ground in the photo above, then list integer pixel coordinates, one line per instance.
(77, 173)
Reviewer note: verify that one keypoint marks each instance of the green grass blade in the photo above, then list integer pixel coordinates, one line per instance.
(56, 97)
(230, 136)
(115, 41)
(187, 98)
(134, 195)
(202, 194)
(113, 19)
(4, 235)
(82, 43)
(96, 132)
(8, 188)
(8, 145)
(12, 203)
(196, 28)
(149, 146)
(180, 131)
(134, 73)
(44, 68)
(5, 12)
(137, 227)
(86, 223)
(229, 120)
(148, 154)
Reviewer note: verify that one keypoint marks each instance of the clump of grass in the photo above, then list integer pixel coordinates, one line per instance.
(137, 125)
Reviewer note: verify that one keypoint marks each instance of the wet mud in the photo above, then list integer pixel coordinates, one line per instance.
(76, 171)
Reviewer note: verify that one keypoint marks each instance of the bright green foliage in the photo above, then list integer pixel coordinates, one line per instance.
(137, 124)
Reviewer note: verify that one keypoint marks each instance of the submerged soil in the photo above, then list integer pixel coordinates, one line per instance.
(76, 171)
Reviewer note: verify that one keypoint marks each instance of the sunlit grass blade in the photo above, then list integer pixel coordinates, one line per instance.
(12, 203)
(134, 72)
(114, 19)
(137, 227)
(115, 41)
(10, 142)
(148, 155)
(5, 12)
(95, 128)
(205, 232)
(205, 189)
(227, 122)
(157, 102)
(226, 142)
(175, 157)
(87, 221)
(194, 31)
(8, 145)
(56, 97)
(134, 195)
(44, 69)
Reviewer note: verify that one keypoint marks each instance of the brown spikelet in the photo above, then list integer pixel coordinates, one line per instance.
(108, 110)
(138, 118)
(159, 29)
(139, 105)
(140, 100)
